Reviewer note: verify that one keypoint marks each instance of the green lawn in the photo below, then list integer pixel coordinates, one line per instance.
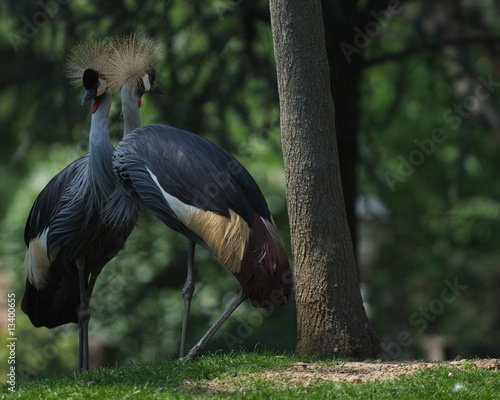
(260, 375)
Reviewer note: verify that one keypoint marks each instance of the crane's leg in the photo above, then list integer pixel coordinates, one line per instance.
(187, 294)
(196, 350)
(83, 321)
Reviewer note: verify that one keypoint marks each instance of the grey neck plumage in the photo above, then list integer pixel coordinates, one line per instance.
(130, 110)
(101, 149)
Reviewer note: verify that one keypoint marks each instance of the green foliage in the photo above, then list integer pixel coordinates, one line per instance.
(443, 204)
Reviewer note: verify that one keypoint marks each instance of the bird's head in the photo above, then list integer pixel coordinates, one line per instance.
(146, 84)
(132, 60)
(88, 62)
(95, 86)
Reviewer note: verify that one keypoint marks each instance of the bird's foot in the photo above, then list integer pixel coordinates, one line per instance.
(193, 353)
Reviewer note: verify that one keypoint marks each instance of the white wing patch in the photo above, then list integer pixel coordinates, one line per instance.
(227, 238)
(182, 211)
(37, 262)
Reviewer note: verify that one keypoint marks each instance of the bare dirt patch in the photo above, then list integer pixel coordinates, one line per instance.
(303, 374)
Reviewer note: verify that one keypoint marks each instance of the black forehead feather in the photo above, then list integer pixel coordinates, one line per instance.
(90, 78)
(152, 72)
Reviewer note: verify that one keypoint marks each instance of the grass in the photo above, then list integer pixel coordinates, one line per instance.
(171, 379)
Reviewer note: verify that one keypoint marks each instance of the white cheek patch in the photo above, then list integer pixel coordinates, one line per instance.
(102, 87)
(145, 80)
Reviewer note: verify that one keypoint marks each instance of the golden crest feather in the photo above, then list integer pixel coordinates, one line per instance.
(91, 54)
(131, 56)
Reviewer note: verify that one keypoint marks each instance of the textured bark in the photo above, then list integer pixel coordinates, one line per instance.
(331, 319)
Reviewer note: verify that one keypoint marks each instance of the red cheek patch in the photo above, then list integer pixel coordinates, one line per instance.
(95, 105)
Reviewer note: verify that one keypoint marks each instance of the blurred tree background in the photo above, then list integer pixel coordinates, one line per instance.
(416, 92)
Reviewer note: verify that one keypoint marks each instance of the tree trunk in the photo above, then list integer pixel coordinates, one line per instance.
(330, 315)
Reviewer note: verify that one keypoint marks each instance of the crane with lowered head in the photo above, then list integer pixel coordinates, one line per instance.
(201, 191)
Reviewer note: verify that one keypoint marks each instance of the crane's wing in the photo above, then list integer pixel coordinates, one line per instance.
(46, 203)
(51, 294)
(185, 167)
(203, 192)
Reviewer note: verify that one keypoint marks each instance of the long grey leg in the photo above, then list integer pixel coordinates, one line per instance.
(196, 350)
(83, 320)
(187, 294)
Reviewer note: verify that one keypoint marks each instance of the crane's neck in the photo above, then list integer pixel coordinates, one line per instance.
(130, 109)
(101, 149)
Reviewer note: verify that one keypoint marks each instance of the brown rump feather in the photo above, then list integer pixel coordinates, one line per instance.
(265, 273)
(256, 256)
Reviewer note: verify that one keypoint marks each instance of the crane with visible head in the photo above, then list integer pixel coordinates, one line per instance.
(68, 242)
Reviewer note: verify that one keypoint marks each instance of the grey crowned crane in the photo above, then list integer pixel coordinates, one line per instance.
(68, 243)
(201, 191)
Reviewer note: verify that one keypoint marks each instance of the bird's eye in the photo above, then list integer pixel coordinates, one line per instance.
(152, 75)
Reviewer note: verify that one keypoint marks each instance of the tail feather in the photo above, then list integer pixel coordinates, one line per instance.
(55, 304)
(265, 273)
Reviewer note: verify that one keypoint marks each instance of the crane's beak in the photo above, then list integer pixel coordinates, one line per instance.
(156, 89)
(89, 95)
